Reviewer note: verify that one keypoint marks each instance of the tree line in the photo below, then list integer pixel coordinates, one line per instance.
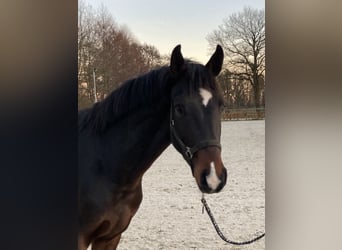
(109, 54)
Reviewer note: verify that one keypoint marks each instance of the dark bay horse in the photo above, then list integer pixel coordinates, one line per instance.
(121, 136)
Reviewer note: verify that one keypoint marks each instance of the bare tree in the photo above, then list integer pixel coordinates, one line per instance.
(224, 79)
(152, 56)
(86, 41)
(242, 36)
(111, 50)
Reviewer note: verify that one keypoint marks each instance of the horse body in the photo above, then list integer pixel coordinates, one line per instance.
(117, 146)
(114, 164)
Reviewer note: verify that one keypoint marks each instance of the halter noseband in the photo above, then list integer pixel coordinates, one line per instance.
(188, 152)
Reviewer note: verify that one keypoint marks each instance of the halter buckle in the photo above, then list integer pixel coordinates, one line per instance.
(188, 153)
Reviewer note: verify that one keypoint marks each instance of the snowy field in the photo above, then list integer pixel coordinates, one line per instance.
(170, 215)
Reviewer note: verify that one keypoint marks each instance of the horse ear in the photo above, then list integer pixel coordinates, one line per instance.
(177, 61)
(215, 63)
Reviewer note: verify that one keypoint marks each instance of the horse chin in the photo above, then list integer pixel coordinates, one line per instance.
(207, 190)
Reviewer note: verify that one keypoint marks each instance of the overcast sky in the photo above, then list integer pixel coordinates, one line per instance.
(166, 23)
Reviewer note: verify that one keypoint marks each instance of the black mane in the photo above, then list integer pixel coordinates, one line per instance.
(142, 90)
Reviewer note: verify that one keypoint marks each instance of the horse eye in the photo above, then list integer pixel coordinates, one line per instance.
(179, 110)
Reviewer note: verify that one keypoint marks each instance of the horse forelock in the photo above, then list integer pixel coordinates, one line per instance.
(200, 78)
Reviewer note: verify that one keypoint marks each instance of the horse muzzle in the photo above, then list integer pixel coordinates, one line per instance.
(209, 171)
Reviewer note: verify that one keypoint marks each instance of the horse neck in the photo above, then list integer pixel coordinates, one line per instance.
(145, 135)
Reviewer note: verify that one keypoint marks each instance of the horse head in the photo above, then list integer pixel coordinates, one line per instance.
(195, 118)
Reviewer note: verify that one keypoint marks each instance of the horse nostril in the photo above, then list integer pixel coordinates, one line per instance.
(224, 176)
(203, 179)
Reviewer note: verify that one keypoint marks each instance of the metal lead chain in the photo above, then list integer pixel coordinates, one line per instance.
(218, 230)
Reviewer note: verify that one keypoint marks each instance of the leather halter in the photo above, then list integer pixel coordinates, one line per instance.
(187, 151)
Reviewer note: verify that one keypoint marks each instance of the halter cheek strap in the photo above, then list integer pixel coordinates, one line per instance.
(188, 152)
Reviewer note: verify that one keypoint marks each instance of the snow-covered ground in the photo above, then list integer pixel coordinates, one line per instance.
(170, 215)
